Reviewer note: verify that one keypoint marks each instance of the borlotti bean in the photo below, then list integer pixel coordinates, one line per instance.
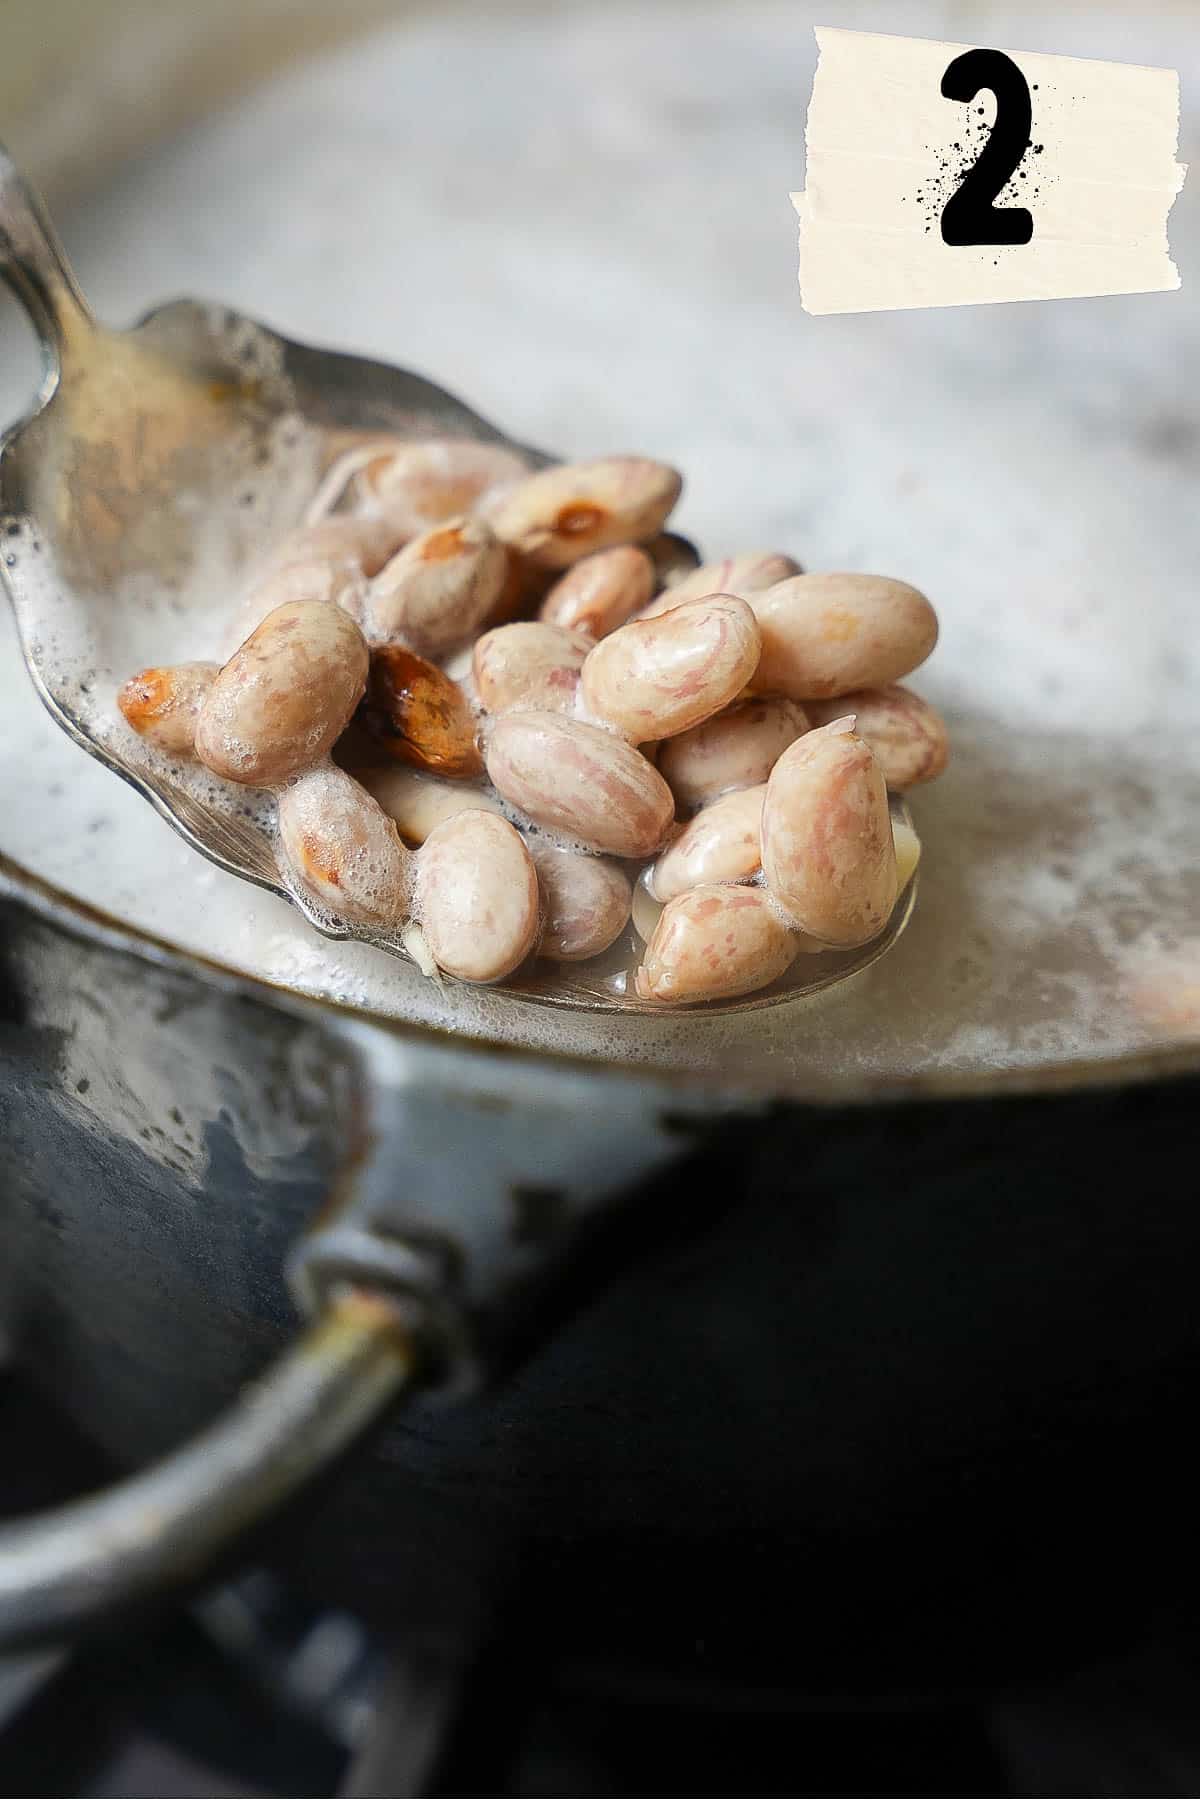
(414, 486)
(343, 851)
(473, 689)
(419, 803)
(529, 665)
(602, 591)
(580, 780)
(908, 736)
(737, 748)
(331, 561)
(585, 903)
(476, 896)
(656, 677)
(162, 704)
(715, 943)
(828, 853)
(282, 700)
(342, 542)
(573, 509)
(436, 592)
(740, 575)
(418, 715)
(828, 635)
(721, 844)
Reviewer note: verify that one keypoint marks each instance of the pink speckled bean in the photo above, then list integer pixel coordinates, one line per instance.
(827, 848)
(828, 635)
(343, 851)
(476, 896)
(737, 748)
(581, 781)
(585, 903)
(741, 575)
(417, 485)
(657, 677)
(908, 735)
(715, 943)
(601, 592)
(573, 509)
(529, 665)
(282, 700)
(721, 844)
(438, 590)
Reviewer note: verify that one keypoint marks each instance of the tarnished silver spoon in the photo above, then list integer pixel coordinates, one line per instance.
(154, 466)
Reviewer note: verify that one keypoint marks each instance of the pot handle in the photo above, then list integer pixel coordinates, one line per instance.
(473, 1178)
(63, 1570)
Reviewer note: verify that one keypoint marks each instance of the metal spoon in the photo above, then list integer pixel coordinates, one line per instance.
(154, 465)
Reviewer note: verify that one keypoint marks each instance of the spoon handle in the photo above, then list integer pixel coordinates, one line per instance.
(34, 266)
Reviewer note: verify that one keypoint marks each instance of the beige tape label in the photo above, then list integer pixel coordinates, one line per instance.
(1054, 178)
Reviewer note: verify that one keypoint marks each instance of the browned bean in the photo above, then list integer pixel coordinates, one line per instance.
(600, 592)
(343, 851)
(721, 844)
(437, 591)
(476, 896)
(828, 635)
(530, 666)
(572, 509)
(282, 700)
(715, 943)
(418, 715)
(585, 903)
(162, 704)
(827, 847)
(737, 748)
(581, 781)
(657, 677)
(908, 735)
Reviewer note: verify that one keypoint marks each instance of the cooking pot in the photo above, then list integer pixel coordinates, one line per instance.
(690, 1345)
(839, 1397)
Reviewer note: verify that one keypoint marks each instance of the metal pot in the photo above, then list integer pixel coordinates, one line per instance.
(807, 1338)
(831, 1398)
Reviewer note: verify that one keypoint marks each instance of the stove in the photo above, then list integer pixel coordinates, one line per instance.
(245, 1689)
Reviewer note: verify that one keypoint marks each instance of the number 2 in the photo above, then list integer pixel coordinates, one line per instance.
(970, 215)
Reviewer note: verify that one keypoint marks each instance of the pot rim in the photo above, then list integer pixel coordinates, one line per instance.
(1158, 1062)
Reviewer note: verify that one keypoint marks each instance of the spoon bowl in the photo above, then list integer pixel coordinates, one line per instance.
(154, 466)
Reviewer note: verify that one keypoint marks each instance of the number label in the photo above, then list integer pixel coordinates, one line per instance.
(971, 215)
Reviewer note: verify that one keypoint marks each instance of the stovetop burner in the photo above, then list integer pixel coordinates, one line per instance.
(247, 1690)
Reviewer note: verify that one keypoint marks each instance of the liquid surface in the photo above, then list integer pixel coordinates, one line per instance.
(1032, 468)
